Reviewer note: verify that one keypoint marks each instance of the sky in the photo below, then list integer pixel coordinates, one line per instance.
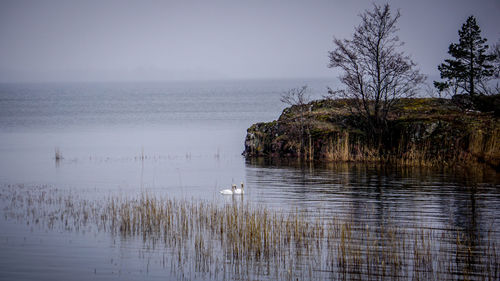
(100, 40)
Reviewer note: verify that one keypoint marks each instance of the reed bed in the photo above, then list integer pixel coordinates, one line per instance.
(237, 240)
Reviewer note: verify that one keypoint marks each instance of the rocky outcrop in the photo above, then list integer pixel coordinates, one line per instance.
(422, 131)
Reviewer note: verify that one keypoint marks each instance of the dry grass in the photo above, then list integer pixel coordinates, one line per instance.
(241, 241)
(58, 155)
(421, 132)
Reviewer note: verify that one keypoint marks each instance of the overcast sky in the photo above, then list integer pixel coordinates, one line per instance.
(170, 40)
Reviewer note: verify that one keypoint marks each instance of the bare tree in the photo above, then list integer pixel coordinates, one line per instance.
(495, 51)
(296, 96)
(375, 72)
(299, 98)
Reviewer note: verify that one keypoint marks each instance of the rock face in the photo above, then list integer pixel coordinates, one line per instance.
(422, 131)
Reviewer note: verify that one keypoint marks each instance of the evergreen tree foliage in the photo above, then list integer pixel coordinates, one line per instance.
(471, 66)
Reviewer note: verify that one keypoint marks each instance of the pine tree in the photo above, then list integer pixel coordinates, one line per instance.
(469, 70)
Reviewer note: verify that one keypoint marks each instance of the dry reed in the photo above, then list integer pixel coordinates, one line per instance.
(241, 241)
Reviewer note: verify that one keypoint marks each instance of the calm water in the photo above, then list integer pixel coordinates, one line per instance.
(184, 140)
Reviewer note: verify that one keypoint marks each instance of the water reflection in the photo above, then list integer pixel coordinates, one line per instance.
(376, 195)
(233, 239)
(296, 220)
(419, 198)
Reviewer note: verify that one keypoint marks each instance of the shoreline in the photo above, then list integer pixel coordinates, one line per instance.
(423, 132)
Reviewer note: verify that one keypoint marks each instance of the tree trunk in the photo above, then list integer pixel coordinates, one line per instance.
(471, 76)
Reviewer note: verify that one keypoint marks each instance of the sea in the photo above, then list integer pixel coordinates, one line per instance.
(184, 140)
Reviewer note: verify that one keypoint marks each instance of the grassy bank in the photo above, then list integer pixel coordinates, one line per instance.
(421, 132)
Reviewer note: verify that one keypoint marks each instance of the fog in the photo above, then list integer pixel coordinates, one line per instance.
(198, 40)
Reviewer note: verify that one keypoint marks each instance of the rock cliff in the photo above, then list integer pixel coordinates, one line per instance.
(422, 131)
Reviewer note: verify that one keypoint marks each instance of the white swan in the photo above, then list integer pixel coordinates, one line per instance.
(229, 191)
(239, 190)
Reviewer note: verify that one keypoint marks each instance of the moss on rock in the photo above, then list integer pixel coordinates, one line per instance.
(424, 131)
